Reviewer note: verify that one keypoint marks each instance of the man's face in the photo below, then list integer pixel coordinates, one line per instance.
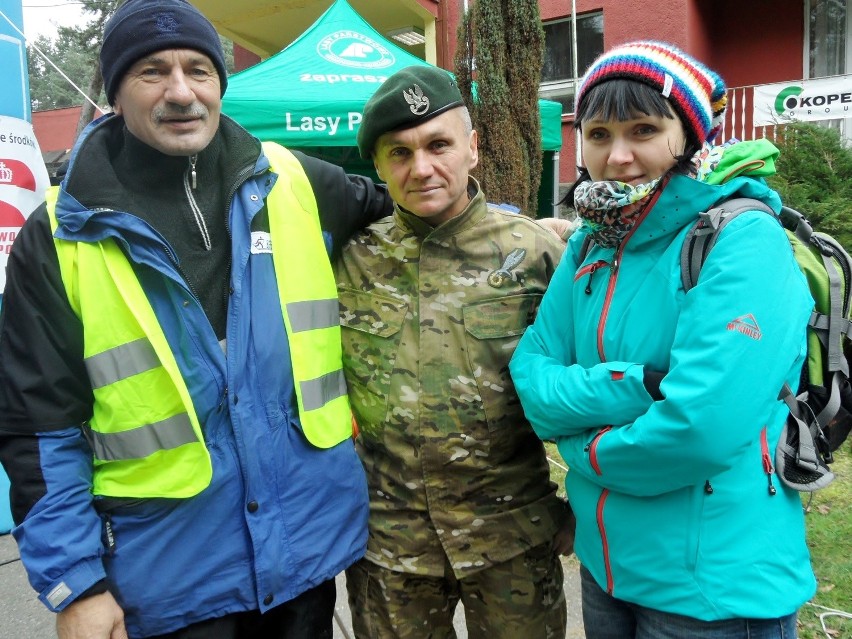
(171, 100)
(426, 167)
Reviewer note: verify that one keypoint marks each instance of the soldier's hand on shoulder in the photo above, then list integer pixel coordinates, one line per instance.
(561, 228)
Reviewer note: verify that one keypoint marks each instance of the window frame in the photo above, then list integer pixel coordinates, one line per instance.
(565, 88)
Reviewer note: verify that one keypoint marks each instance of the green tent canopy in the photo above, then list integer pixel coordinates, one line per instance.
(311, 95)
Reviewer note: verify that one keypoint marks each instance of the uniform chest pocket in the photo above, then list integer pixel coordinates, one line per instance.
(371, 327)
(501, 317)
(493, 328)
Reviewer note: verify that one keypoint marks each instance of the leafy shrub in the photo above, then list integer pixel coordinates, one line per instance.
(815, 177)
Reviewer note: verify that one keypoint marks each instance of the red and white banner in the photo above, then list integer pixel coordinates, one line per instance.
(23, 181)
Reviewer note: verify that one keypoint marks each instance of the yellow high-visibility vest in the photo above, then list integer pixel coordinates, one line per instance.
(144, 431)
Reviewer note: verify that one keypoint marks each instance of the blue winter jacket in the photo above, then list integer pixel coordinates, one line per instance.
(279, 516)
(674, 501)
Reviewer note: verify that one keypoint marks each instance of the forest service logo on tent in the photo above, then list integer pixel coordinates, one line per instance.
(353, 49)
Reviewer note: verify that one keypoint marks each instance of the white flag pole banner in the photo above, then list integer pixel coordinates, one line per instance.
(23, 181)
(822, 99)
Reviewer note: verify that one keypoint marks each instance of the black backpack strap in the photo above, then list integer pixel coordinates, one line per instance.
(704, 233)
(794, 221)
(586, 247)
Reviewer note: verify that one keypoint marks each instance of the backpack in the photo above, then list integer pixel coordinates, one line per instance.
(821, 408)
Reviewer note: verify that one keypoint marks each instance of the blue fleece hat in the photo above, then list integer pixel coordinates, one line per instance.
(141, 27)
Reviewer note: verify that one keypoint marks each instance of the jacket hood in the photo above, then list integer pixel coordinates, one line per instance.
(740, 173)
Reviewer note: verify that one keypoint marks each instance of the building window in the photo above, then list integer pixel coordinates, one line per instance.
(828, 50)
(829, 46)
(557, 74)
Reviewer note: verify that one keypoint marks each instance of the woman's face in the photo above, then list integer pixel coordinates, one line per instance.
(635, 151)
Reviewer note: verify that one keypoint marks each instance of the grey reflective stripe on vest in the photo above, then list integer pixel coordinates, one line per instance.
(313, 314)
(121, 362)
(318, 392)
(143, 441)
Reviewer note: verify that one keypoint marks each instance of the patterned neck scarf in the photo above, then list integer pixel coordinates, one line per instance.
(609, 209)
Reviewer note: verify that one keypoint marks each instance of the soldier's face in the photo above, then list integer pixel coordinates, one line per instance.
(426, 167)
(171, 101)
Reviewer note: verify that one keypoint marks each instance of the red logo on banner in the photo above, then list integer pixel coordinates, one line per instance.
(10, 216)
(16, 173)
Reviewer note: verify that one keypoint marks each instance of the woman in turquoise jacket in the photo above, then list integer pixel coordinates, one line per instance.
(664, 404)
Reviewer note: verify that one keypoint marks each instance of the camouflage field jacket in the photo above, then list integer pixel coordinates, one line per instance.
(431, 317)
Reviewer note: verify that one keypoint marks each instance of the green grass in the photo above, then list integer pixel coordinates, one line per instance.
(830, 541)
(829, 527)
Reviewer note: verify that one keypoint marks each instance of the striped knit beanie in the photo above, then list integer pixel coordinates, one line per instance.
(696, 93)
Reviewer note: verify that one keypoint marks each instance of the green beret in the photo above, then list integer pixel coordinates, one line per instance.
(409, 97)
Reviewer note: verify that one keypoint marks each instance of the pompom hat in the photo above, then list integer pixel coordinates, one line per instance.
(142, 27)
(696, 93)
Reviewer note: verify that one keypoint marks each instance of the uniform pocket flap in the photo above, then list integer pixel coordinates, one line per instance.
(501, 317)
(371, 313)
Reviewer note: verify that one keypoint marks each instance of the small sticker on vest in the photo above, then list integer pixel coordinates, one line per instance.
(59, 594)
(261, 242)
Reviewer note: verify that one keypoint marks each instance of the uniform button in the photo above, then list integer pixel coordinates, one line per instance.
(236, 400)
(267, 600)
(252, 506)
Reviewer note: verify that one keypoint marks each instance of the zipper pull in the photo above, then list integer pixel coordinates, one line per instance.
(708, 489)
(589, 283)
(223, 402)
(767, 462)
(192, 160)
(767, 468)
(592, 269)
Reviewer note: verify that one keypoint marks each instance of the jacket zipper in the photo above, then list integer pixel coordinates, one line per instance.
(604, 542)
(767, 462)
(610, 289)
(589, 270)
(613, 277)
(592, 449)
(190, 182)
(242, 176)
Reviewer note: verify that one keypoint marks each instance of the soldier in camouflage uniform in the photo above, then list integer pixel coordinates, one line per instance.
(433, 302)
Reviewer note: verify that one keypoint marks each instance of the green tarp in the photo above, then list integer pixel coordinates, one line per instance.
(312, 93)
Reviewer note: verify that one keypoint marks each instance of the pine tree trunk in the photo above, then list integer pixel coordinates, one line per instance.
(87, 112)
(504, 39)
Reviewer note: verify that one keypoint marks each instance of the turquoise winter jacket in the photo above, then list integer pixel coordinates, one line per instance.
(678, 508)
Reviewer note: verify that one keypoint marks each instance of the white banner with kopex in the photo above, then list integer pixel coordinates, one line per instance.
(822, 99)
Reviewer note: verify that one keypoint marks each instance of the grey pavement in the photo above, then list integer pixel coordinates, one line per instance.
(22, 616)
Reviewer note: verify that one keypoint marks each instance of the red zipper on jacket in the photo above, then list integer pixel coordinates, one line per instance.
(592, 448)
(616, 260)
(604, 542)
(589, 269)
(767, 461)
(610, 289)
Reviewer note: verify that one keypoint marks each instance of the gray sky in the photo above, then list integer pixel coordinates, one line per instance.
(42, 16)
